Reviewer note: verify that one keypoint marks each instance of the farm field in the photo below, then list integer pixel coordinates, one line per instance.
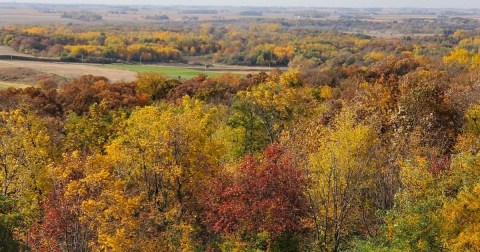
(120, 72)
(114, 73)
(170, 71)
(186, 71)
(71, 70)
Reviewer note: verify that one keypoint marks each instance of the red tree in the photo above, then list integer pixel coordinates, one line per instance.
(265, 195)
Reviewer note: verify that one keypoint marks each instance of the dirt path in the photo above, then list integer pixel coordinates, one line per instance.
(72, 70)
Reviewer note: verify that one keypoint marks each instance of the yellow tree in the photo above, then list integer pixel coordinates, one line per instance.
(95, 210)
(460, 213)
(413, 223)
(25, 151)
(458, 56)
(158, 164)
(284, 54)
(155, 85)
(341, 172)
(461, 226)
(266, 110)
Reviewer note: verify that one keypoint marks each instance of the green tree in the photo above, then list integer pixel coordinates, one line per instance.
(413, 224)
(11, 221)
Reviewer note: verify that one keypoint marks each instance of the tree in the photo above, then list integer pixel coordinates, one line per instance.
(413, 224)
(267, 109)
(153, 173)
(462, 217)
(459, 56)
(10, 223)
(460, 212)
(61, 226)
(258, 196)
(78, 95)
(301, 63)
(425, 124)
(92, 132)
(25, 151)
(341, 172)
(156, 86)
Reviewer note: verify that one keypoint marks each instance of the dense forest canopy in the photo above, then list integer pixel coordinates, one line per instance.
(364, 144)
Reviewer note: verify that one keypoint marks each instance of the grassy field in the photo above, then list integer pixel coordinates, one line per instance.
(5, 85)
(171, 71)
(66, 70)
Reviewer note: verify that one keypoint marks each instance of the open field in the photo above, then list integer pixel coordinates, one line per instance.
(120, 72)
(171, 71)
(189, 71)
(71, 70)
(6, 50)
(5, 85)
(114, 73)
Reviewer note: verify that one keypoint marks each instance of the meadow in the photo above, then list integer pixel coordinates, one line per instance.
(170, 71)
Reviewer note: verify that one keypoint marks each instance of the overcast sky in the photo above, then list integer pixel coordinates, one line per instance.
(306, 3)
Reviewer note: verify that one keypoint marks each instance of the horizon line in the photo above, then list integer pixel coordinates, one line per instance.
(218, 5)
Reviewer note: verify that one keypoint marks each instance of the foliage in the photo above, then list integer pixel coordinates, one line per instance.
(341, 171)
(364, 144)
(10, 222)
(413, 225)
(263, 196)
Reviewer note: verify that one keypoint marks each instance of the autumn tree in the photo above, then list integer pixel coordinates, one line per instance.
(265, 111)
(263, 195)
(78, 95)
(11, 221)
(341, 172)
(156, 86)
(92, 132)
(146, 192)
(25, 152)
(426, 121)
(61, 227)
(460, 209)
(461, 220)
(413, 224)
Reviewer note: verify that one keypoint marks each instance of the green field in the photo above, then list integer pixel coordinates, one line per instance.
(170, 71)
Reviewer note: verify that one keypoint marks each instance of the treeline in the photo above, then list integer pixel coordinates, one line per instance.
(240, 43)
(381, 155)
(87, 16)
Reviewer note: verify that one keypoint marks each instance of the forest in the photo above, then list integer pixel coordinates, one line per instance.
(252, 43)
(363, 144)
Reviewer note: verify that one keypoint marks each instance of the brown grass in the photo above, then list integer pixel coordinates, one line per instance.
(69, 70)
(5, 85)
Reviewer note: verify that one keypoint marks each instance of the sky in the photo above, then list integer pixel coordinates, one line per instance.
(303, 3)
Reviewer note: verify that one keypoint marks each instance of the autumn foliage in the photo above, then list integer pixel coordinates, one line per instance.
(264, 195)
(364, 144)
